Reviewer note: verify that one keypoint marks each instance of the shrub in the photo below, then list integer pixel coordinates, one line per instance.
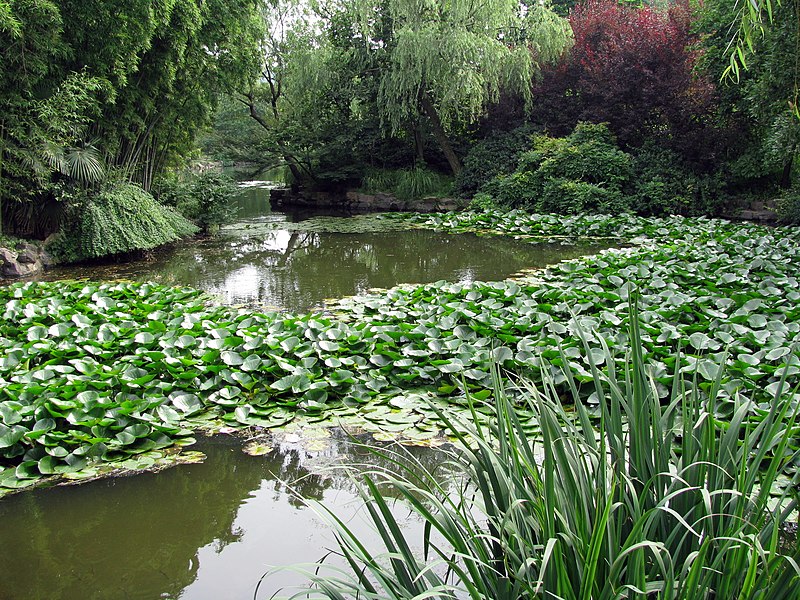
(665, 185)
(120, 219)
(788, 206)
(584, 172)
(495, 155)
(204, 198)
(482, 202)
(660, 502)
(573, 197)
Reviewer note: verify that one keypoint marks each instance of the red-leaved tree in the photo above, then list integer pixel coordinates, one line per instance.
(632, 68)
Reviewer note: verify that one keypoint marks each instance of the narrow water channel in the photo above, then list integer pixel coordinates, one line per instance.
(211, 530)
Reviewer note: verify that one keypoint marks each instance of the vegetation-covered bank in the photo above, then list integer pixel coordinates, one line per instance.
(614, 108)
(100, 373)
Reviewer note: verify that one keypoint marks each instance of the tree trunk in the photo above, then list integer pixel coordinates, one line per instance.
(294, 169)
(419, 149)
(438, 132)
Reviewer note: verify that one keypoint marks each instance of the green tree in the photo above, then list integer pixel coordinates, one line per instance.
(287, 37)
(44, 111)
(118, 82)
(762, 105)
(447, 61)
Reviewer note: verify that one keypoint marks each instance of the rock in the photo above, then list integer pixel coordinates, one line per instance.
(46, 259)
(28, 261)
(7, 256)
(28, 256)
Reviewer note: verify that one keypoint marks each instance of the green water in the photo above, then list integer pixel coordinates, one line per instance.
(203, 531)
(257, 262)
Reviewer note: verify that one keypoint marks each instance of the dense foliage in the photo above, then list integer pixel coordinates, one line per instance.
(346, 91)
(630, 67)
(584, 172)
(120, 219)
(89, 85)
(205, 197)
(84, 362)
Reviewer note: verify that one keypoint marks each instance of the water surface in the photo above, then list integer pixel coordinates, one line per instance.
(259, 262)
(211, 530)
(195, 532)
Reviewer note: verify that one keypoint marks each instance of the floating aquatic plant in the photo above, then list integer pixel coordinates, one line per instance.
(98, 373)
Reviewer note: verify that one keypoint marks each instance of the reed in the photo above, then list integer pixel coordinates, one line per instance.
(655, 499)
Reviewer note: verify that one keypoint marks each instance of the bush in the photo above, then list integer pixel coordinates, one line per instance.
(203, 198)
(495, 155)
(584, 172)
(482, 202)
(574, 197)
(121, 219)
(661, 502)
(665, 185)
(788, 206)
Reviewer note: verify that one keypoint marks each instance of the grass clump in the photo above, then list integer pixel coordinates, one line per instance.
(408, 184)
(120, 219)
(658, 501)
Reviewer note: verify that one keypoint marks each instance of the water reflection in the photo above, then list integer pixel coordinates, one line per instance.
(248, 264)
(191, 532)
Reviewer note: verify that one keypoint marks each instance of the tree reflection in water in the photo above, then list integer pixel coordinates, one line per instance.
(194, 531)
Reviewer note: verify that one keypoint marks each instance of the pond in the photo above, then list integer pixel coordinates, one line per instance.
(294, 261)
(211, 530)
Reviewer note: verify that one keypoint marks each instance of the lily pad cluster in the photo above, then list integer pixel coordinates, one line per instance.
(93, 374)
(525, 225)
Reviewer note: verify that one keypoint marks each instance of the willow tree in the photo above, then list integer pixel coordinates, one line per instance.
(449, 59)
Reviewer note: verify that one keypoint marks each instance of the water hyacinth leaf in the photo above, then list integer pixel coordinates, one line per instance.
(28, 469)
(10, 412)
(701, 341)
(9, 436)
(242, 379)
(187, 403)
(777, 353)
(290, 343)
(36, 333)
(124, 438)
(232, 359)
(328, 345)
(242, 413)
(502, 354)
(708, 369)
(168, 414)
(251, 363)
(59, 329)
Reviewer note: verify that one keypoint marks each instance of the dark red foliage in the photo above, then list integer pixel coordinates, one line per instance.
(632, 68)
